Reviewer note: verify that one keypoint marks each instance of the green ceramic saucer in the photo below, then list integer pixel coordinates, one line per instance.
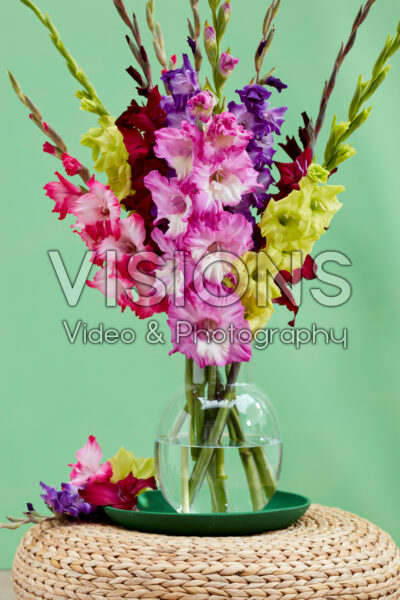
(155, 515)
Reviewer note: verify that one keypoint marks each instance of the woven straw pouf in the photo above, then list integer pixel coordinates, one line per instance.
(327, 554)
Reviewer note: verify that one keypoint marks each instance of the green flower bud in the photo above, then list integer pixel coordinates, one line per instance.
(210, 43)
(224, 16)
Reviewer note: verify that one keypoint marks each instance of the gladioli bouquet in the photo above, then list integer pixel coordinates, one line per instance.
(196, 218)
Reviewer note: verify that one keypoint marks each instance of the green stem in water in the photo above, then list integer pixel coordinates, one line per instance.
(185, 479)
(216, 479)
(249, 466)
(189, 398)
(206, 453)
(266, 474)
(216, 471)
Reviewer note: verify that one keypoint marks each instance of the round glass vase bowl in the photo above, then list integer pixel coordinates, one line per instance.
(218, 447)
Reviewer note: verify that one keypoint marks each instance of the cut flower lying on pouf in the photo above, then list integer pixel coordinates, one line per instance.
(117, 482)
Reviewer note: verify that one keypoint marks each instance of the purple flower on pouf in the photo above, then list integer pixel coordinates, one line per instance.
(67, 501)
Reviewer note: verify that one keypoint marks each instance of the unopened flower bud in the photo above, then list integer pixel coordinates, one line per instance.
(224, 16)
(72, 166)
(210, 39)
(226, 64)
(201, 105)
(210, 43)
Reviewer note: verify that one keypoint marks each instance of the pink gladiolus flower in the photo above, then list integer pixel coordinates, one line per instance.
(177, 147)
(115, 287)
(119, 495)
(72, 166)
(49, 148)
(98, 213)
(224, 183)
(211, 335)
(224, 133)
(201, 105)
(88, 467)
(226, 64)
(130, 239)
(176, 265)
(64, 193)
(134, 280)
(172, 200)
(218, 242)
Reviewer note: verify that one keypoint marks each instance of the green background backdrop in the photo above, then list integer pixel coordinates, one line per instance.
(338, 409)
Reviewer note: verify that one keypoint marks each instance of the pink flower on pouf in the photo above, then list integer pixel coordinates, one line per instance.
(88, 467)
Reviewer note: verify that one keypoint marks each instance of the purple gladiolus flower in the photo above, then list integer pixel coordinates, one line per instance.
(276, 83)
(274, 118)
(67, 501)
(182, 83)
(261, 150)
(245, 118)
(255, 98)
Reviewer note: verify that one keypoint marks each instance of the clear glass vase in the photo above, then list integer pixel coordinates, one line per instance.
(218, 447)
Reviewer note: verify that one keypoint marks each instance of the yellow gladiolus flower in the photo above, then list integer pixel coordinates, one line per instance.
(124, 463)
(111, 155)
(256, 287)
(297, 221)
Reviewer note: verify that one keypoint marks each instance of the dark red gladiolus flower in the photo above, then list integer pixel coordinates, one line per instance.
(138, 125)
(292, 173)
(307, 271)
(287, 300)
(119, 495)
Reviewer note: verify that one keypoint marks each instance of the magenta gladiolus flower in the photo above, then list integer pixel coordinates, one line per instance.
(88, 466)
(119, 495)
(64, 193)
(72, 166)
(49, 148)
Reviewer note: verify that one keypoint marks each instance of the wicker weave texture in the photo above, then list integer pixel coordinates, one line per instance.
(328, 554)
